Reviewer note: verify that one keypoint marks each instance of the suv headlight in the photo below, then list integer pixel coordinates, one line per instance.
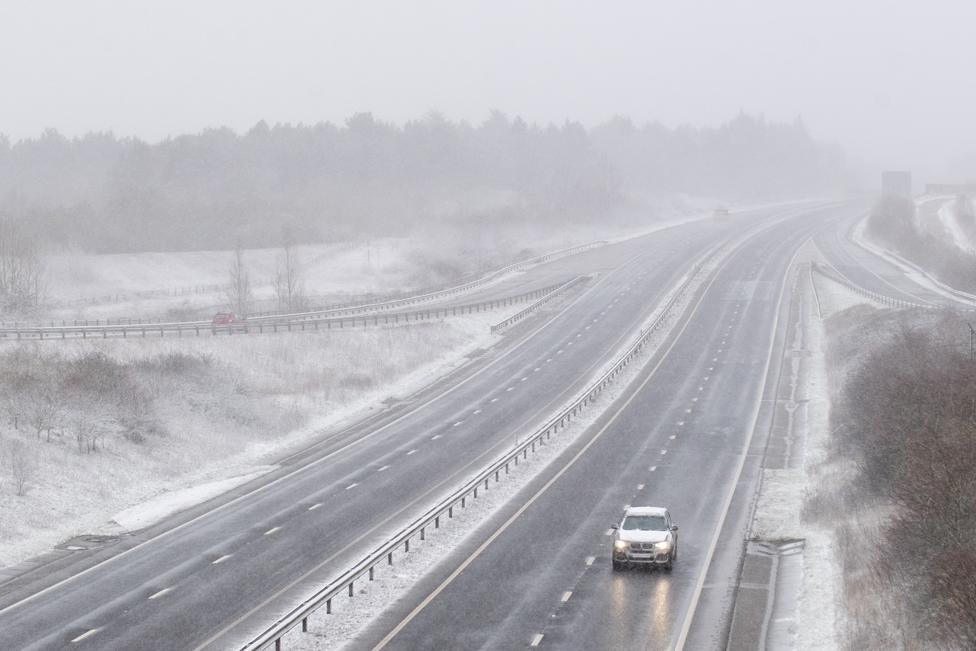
(620, 545)
(664, 546)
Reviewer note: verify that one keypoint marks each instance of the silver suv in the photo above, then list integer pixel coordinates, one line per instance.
(646, 536)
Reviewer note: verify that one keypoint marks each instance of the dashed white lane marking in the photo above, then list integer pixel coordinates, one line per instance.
(587, 328)
(569, 344)
(566, 596)
(707, 376)
(159, 594)
(535, 370)
(653, 468)
(87, 634)
(681, 423)
(537, 639)
(640, 487)
(608, 532)
(701, 388)
(715, 359)
(672, 437)
(382, 469)
(719, 350)
(664, 452)
(432, 438)
(578, 335)
(351, 486)
(274, 529)
(695, 399)
(525, 378)
(494, 399)
(458, 423)
(315, 506)
(590, 560)
(225, 557)
(687, 411)
(509, 388)
(559, 352)
(476, 412)
(548, 360)
(410, 452)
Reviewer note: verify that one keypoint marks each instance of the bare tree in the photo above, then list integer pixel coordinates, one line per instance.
(21, 268)
(239, 289)
(288, 282)
(21, 467)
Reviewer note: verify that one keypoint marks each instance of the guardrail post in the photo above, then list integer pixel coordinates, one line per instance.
(423, 535)
(462, 502)
(304, 624)
(406, 546)
(328, 606)
(437, 522)
(389, 558)
(450, 512)
(351, 587)
(371, 574)
(475, 492)
(278, 644)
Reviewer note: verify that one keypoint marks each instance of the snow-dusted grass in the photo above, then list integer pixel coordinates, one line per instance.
(242, 403)
(89, 286)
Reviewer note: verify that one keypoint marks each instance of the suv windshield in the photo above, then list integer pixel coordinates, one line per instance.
(645, 523)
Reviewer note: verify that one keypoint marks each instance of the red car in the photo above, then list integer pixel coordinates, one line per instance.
(225, 318)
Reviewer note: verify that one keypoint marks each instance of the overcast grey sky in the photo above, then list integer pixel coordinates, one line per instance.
(891, 81)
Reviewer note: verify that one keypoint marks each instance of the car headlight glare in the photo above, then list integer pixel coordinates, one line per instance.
(620, 545)
(664, 546)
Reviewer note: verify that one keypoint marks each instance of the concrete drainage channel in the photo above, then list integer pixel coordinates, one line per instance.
(769, 584)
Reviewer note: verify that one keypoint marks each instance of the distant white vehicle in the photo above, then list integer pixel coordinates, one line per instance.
(645, 536)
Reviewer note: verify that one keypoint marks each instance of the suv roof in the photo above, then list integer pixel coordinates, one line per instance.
(645, 510)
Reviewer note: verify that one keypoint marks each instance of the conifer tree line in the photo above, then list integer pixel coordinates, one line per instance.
(219, 189)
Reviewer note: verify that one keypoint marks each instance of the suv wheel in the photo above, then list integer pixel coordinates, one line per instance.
(617, 565)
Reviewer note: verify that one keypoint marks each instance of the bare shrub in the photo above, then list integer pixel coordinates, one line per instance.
(912, 428)
(21, 465)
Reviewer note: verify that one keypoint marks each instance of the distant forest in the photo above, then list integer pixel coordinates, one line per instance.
(368, 178)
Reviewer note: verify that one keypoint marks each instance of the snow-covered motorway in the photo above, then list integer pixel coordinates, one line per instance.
(214, 574)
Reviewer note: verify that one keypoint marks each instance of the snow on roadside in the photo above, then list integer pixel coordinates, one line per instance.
(817, 619)
(916, 275)
(144, 514)
(947, 215)
(71, 493)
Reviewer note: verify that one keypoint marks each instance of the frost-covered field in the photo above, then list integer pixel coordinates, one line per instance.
(181, 414)
(88, 286)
